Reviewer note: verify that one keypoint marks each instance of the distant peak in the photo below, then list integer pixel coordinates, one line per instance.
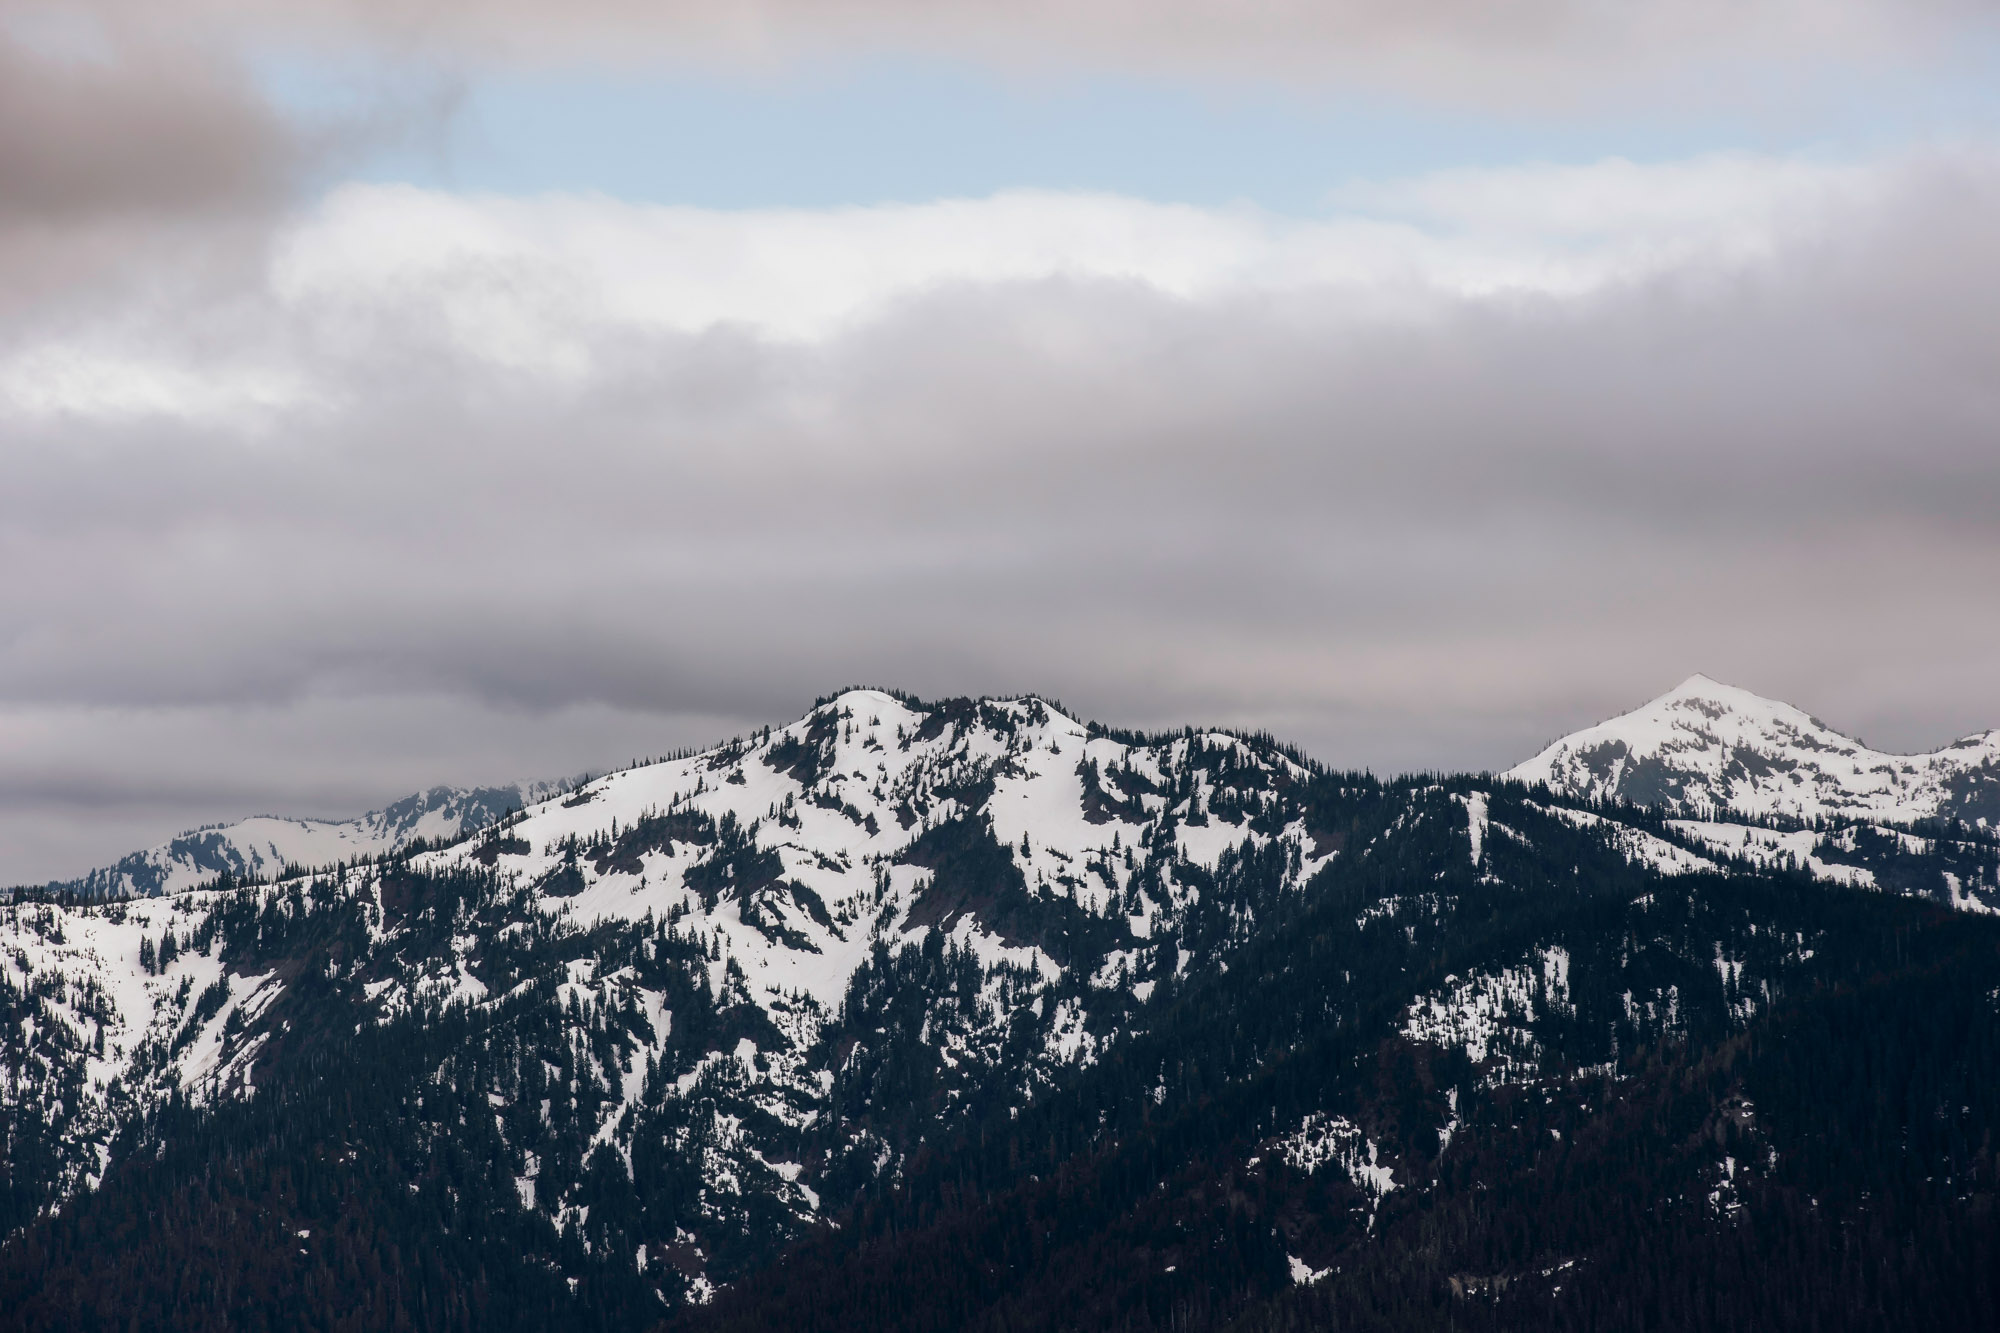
(1699, 686)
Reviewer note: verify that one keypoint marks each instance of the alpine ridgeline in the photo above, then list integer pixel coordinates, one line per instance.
(266, 846)
(967, 1015)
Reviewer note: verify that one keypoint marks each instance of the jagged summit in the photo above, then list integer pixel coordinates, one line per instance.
(1704, 747)
(784, 841)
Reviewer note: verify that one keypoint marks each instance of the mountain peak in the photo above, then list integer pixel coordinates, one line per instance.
(1700, 688)
(1705, 747)
(691, 1012)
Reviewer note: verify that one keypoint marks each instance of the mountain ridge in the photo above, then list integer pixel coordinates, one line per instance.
(626, 1052)
(1668, 753)
(264, 846)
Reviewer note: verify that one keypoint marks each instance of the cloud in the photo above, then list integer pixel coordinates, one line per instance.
(565, 290)
(120, 156)
(1420, 484)
(80, 786)
(131, 141)
(127, 127)
(1459, 51)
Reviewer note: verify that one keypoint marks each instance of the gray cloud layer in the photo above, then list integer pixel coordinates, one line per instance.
(1538, 51)
(131, 130)
(309, 505)
(426, 537)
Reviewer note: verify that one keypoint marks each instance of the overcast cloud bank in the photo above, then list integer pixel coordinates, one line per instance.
(1468, 51)
(447, 488)
(320, 493)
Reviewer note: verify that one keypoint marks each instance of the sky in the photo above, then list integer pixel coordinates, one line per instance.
(394, 396)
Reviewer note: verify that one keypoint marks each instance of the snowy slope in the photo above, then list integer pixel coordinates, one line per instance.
(262, 846)
(790, 958)
(108, 1034)
(1047, 857)
(838, 799)
(1704, 748)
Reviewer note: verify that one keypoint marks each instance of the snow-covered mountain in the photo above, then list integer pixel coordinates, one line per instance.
(264, 845)
(796, 848)
(1705, 748)
(667, 1022)
(736, 901)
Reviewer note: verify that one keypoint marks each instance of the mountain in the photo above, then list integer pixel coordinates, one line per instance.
(1020, 846)
(265, 846)
(970, 1015)
(1705, 747)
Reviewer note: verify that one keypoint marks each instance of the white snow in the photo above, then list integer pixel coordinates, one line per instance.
(1489, 1015)
(261, 847)
(1635, 845)
(1962, 900)
(1769, 847)
(1735, 751)
(1303, 1273)
(1475, 821)
(1322, 1140)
